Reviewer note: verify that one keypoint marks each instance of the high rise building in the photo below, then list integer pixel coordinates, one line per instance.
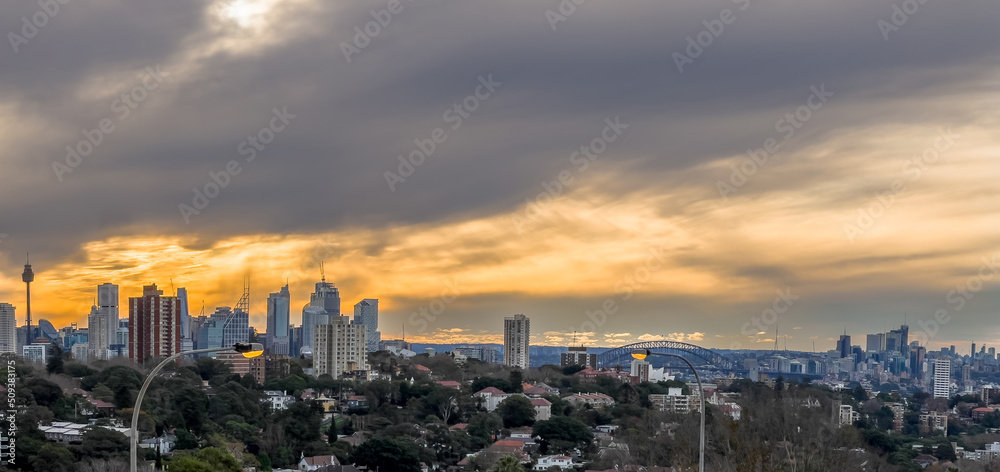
(154, 325)
(312, 316)
(28, 276)
(8, 328)
(516, 341)
(326, 296)
(640, 369)
(187, 335)
(577, 355)
(278, 321)
(942, 378)
(97, 334)
(366, 313)
(102, 324)
(973, 352)
(844, 346)
(876, 342)
(121, 338)
(338, 347)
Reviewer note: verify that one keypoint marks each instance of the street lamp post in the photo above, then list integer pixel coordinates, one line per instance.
(641, 354)
(248, 350)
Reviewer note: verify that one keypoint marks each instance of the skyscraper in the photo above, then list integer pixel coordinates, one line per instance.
(516, 341)
(844, 346)
(366, 313)
(8, 328)
(154, 325)
(278, 321)
(326, 296)
(312, 316)
(876, 342)
(102, 324)
(339, 347)
(942, 378)
(187, 338)
(28, 276)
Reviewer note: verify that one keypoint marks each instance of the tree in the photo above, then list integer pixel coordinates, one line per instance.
(186, 440)
(482, 427)
(55, 363)
(508, 463)
(562, 433)
(189, 464)
(219, 459)
(52, 457)
(516, 411)
(265, 462)
(516, 380)
(396, 454)
(103, 443)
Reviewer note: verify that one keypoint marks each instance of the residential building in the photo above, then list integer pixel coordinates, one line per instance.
(577, 355)
(640, 370)
(848, 415)
(308, 464)
(543, 408)
(80, 351)
(516, 341)
(154, 325)
(312, 316)
(339, 347)
(481, 352)
(560, 462)
(8, 328)
(37, 352)
(366, 314)
(491, 397)
(277, 399)
(279, 321)
(942, 378)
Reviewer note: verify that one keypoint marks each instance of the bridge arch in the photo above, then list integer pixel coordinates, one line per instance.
(623, 354)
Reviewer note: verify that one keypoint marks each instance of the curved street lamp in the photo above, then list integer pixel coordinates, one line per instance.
(249, 350)
(642, 354)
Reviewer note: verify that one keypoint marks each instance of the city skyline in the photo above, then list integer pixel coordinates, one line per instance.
(579, 161)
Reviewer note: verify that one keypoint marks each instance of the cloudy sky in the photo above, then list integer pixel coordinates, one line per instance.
(589, 168)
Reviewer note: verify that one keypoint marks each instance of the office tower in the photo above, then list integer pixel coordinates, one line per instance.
(187, 339)
(8, 328)
(28, 276)
(154, 325)
(917, 355)
(278, 321)
(366, 313)
(876, 342)
(121, 338)
(294, 340)
(326, 296)
(942, 378)
(577, 355)
(516, 341)
(844, 346)
(973, 352)
(97, 334)
(311, 317)
(339, 347)
(481, 352)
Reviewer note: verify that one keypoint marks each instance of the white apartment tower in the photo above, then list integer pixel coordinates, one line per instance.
(942, 378)
(339, 347)
(516, 341)
(8, 328)
(366, 313)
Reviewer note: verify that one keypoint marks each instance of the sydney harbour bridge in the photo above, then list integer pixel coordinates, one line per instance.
(702, 358)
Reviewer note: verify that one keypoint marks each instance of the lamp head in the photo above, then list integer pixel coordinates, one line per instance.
(249, 350)
(640, 354)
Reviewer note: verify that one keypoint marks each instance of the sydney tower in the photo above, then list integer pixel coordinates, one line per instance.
(28, 276)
